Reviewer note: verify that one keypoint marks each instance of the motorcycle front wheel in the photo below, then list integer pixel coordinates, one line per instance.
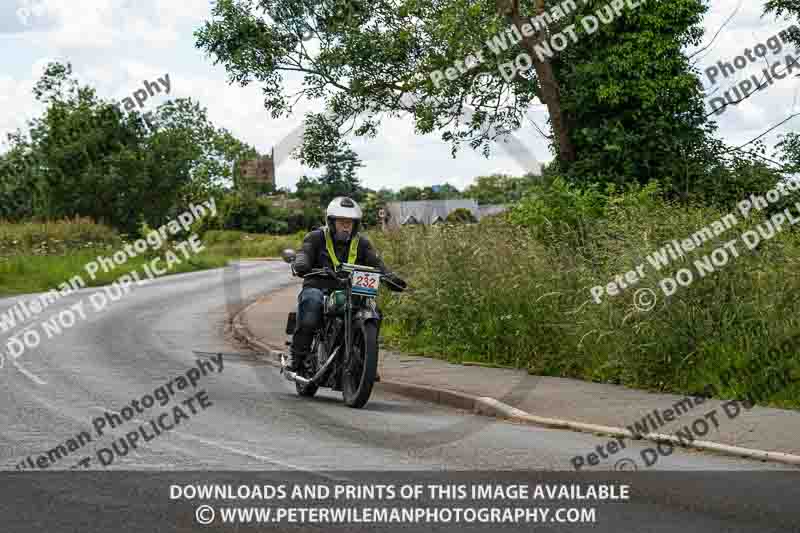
(361, 367)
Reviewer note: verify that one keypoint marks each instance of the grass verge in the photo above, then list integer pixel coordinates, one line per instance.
(37, 257)
(510, 295)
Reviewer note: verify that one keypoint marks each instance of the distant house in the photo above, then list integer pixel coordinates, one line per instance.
(490, 210)
(426, 211)
(431, 212)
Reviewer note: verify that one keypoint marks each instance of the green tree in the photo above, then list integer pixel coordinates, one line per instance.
(213, 153)
(460, 216)
(386, 195)
(785, 9)
(91, 160)
(439, 192)
(609, 91)
(631, 88)
(497, 189)
(339, 179)
(789, 150)
(340, 176)
(409, 194)
(21, 183)
(85, 157)
(448, 192)
(309, 189)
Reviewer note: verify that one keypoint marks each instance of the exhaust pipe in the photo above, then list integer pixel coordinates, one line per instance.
(292, 376)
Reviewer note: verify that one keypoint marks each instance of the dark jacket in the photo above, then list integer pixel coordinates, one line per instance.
(314, 255)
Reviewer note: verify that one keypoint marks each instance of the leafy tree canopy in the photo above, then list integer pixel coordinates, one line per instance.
(622, 101)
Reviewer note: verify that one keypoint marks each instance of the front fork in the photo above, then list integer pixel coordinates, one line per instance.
(364, 314)
(348, 325)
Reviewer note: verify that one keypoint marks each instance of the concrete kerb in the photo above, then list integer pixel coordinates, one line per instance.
(456, 399)
(487, 406)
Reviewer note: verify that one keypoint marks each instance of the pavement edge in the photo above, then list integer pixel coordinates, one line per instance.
(487, 406)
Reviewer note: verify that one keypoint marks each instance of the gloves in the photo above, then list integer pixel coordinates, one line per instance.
(393, 278)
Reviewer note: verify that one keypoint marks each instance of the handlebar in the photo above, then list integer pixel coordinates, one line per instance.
(321, 272)
(393, 281)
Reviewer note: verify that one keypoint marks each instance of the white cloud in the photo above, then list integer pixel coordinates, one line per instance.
(116, 44)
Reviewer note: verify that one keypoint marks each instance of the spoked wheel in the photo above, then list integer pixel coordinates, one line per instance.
(308, 370)
(359, 372)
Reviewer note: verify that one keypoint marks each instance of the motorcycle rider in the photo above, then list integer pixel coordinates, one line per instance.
(328, 246)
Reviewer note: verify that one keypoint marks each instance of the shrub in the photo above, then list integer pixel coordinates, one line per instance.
(517, 291)
(460, 215)
(250, 214)
(240, 244)
(55, 236)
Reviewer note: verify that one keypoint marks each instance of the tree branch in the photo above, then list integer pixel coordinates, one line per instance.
(782, 122)
(718, 32)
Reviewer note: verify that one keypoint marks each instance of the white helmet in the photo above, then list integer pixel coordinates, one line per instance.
(343, 207)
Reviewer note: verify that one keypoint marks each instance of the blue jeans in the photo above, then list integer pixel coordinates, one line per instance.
(310, 304)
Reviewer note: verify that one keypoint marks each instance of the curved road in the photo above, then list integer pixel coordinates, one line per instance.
(254, 421)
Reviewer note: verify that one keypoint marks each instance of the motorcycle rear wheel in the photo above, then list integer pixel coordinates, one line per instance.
(359, 374)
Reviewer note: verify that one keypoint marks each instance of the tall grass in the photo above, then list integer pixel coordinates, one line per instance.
(54, 237)
(241, 244)
(22, 274)
(519, 294)
(37, 256)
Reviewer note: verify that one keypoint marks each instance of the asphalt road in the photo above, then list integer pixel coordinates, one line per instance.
(250, 419)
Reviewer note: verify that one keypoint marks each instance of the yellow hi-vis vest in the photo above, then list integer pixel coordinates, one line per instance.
(335, 260)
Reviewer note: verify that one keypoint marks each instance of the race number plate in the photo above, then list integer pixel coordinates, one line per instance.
(366, 283)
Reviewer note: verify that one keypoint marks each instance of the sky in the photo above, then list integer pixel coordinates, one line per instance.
(117, 45)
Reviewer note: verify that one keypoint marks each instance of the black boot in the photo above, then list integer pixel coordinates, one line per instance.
(300, 349)
(296, 359)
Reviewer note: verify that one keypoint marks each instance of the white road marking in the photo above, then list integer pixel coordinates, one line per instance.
(239, 451)
(33, 377)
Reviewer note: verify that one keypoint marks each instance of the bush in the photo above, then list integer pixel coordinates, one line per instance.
(517, 292)
(240, 244)
(460, 215)
(249, 214)
(563, 213)
(56, 237)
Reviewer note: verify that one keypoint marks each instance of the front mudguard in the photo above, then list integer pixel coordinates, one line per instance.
(363, 315)
(366, 314)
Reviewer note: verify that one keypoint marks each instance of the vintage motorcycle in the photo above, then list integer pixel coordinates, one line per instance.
(344, 351)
